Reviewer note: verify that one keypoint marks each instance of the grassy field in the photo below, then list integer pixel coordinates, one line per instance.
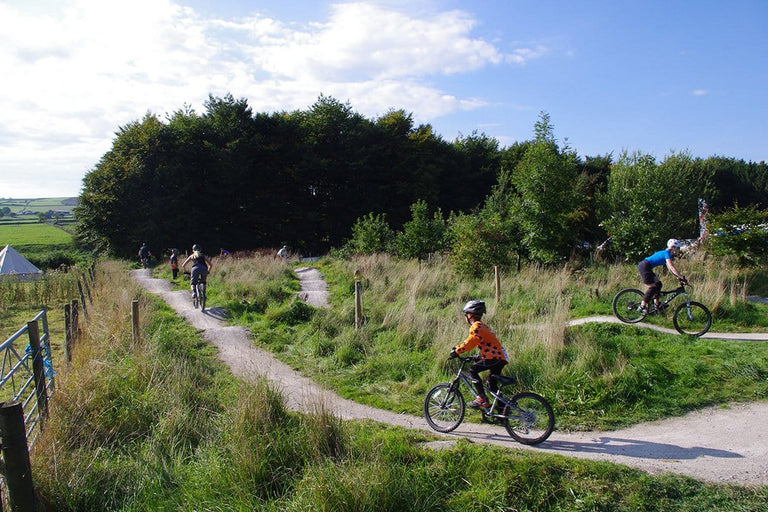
(160, 425)
(18, 206)
(598, 376)
(26, 211)
(34, 235)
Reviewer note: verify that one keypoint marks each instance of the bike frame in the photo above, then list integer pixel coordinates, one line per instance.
(498, 398)
(672, 294)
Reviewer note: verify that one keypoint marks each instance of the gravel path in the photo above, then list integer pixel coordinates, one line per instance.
(724, 444)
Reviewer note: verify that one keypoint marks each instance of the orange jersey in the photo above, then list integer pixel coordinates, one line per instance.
(480, 335)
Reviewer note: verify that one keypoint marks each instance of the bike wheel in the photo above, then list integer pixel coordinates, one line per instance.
(195, 296)
(444, 407)
(201, 293)
(626, 305)
(531, 419)
(692, 318)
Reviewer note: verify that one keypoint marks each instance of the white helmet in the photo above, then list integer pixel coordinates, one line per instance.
(674, 242)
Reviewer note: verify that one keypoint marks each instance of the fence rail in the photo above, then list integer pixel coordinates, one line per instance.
(17, 372)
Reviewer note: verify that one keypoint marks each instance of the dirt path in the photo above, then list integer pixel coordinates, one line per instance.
(728, 445)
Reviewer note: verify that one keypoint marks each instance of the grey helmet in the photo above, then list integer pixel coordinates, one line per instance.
(474, 307)
(195, 247)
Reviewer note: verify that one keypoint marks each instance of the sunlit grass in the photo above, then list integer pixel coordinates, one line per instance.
(161, 425)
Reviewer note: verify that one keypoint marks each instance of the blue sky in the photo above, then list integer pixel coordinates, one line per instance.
(650, 76)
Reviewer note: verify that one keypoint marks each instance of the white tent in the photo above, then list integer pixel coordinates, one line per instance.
(14, 264)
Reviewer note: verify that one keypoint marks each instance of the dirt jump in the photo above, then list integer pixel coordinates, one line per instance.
(723, 444)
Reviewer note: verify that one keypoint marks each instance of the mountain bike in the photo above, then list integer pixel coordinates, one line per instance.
(690, 317)
(198, 292)
(526, 416)
(198, 295)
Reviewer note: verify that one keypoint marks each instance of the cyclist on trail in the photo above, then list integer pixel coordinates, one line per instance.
(201, 266)
(650, 279)
(144, 255)
(493, 357)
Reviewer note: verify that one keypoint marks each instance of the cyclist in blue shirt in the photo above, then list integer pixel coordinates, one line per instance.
(650, 279)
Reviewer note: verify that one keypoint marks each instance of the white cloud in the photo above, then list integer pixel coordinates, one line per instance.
(76, 70)
(699, 92)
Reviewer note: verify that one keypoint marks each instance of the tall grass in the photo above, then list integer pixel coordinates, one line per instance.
(51, 288)
(159, 425)
(596, 375)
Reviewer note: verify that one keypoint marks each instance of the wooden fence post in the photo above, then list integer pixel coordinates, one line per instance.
(67, 334)
(18, 471)
(497, 278)
(135, 321)
(75, 322)
(82, 299)
(38, 371)
(87, 289)
(358, 304)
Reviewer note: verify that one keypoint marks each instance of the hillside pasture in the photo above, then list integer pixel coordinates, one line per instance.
(22, 236)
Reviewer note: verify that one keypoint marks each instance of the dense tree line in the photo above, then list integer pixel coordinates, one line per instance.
(318, 178)
(229, 178)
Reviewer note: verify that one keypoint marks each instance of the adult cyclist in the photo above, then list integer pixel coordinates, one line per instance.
(650, 279)
(144, 255)
(201, 266)
(493, 357)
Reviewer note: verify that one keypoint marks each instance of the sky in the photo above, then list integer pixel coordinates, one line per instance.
(654, 76)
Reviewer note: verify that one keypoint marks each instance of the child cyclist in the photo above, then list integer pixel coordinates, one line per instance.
(493, 357)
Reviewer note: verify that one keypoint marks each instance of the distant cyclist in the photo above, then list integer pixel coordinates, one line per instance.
(144, 255)
(201, 266)
(650, 279)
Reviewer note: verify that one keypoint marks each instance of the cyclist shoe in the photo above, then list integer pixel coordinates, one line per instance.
(479, 403)
(643, 310)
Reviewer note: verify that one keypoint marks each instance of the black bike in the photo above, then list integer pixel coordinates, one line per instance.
(198, 295)
(690, 317)
(526, 416)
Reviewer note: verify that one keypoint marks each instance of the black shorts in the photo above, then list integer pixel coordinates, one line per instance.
(646, 273)
(199, 273)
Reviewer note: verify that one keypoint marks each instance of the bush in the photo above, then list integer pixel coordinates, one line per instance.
(742, 232)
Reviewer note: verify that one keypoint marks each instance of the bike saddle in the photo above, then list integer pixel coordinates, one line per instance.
(502, 380)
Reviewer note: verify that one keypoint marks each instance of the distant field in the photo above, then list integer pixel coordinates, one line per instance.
(27, 211)
(40, 205)
(33, 234)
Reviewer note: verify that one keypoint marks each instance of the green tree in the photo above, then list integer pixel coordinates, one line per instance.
(742, 232)
(646, 203)
(481, 241)
(421, 235)
(371, 234)
(549, 202)
(114, 212)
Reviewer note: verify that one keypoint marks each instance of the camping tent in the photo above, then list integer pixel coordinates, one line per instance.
(14, 264)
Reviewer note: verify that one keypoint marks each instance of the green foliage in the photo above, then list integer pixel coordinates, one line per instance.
(294, 313)
(371, 234)
(742, 232)
(160, 425)
(156, 183)
(647, 203)
(421, 235)
(480, 242)
(543, 197)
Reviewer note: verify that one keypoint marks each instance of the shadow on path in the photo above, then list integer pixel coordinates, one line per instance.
(638, 448)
